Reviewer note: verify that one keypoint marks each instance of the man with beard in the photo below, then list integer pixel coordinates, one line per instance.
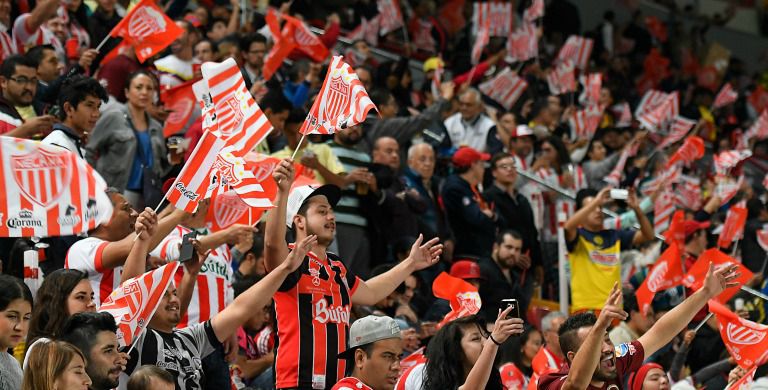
(506, 274)
(18, 81)
(351, 223)
(313, 303)
(95, 335)
(374, 352)
(594, 362)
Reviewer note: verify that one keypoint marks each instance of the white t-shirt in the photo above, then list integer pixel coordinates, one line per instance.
(412, 378)
(86, 255)
(174, 70)
(42, 36)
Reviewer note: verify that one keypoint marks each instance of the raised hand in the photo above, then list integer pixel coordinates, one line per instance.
(284, 174)
(299, 252)
(505, 327)
(424, 255)
(613, 309)
(146, 224)
(717, 280)
(198, 258)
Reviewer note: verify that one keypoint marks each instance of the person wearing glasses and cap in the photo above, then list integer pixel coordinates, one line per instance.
(375, 350)
(313, 303)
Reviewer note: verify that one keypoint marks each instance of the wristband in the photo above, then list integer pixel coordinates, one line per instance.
(490, 336)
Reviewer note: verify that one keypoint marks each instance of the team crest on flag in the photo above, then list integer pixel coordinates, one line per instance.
(739, 334)
(33, 172)
(338, 96)
(229, 208)
(179, 110)
(230, 114)
(145, 22)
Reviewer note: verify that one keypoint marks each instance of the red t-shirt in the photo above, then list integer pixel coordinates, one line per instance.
(629, 358)
(351, 383)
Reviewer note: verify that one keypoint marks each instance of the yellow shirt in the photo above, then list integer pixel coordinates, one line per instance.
(596, 265)
(26, 112)
(324, 155)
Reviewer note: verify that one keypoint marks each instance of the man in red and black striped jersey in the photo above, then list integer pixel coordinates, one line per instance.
(313, 303)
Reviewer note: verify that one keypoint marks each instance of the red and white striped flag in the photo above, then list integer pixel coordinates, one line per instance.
(662, 115)
(305, 39)
(437, 79)
(194, 179)
(762, 238)
(592, 83)
(147, 28)
(496, 14)
(481, 41)
(726, 96)
(688, 193)
(562, 78)
(134, 303)
(48, 191)
(523, 44)
(578, 49)
(505, 88)
(368, 30)
(691, 150)
(662, 211)
(535, 11)
(759, 129)
(625, 115)
(341, 103)
(238, 119)
(231, 171)
(667, 177)
(614, 178)
(729, 159)
(390, 17)
(727, 188)
(584, 122)
(181, 101)
(677, 131)
(733, 227)
(650, 101)
(765, 181)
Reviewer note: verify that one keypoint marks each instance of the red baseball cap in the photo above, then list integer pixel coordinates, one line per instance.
(465, 269)
(690, 226)
(467, 156)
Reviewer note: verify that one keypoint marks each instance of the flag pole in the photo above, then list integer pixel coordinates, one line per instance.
(304, 135)
(103, 42)
(704, 321)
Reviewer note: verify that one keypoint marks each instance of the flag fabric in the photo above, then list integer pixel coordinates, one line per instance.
(727, 188)
(592, 83)
(134, 303)
(584, 122)
(726, 96)
(48, 191)
(481, 41)
(367, 30)
(745, 340)
(694, 279)
(667, 176)
(227, 209)
(341, 103)
(759, 129)
(194, 179)
(691, 150)
(677, 131)
(505, 88)
(390, 17)
(523, 44)
(496, 14)
(666, 273)
(762, 238)
(745, 382)
(624, 115)
(759, 99)
(651, 99)
(231, 171)
(462, 296)
(662, 115)
(535, 11)
(282, 47)
(147, 28)
(688, 193)
(562, 78)
(180, 100)
(305, 39)
(729, 159)
(238, 119)
(676, 232)
(733, 227)
(663, 209)
(614, 178)
(32, 273)
(578, 49)
(437, 79)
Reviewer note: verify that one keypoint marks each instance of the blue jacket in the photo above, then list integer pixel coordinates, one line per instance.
(474, 231)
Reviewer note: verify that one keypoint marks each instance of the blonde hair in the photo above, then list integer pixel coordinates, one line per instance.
(47, 362)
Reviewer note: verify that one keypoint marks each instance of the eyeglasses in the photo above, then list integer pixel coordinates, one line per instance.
(24, 80)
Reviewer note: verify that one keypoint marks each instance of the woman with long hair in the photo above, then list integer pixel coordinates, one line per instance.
(64, 293)
(517, 358)
(15, 311)
(127, 145)
(56, 365)
(461, 354)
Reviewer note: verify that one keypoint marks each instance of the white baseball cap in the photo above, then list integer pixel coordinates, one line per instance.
(300, 194)
(521, 131)
(370, 329)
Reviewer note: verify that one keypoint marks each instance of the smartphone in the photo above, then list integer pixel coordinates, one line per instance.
(619, 194)
(187, 250)
(511, 302)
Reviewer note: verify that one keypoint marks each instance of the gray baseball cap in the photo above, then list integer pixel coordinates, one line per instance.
(368, 330)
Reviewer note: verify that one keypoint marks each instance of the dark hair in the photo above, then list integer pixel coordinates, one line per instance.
(276, 101)
(81, 329)
(8, 68)
(257, 249)
(75, 89)
(498, 157)
(444, 369)
(299, 66)
(244, 284)
(248, 40)
(214, 45)
(140, 72)
(380, 96)
(583, 194)
(569, 339)
(512, 350)
(11, 289)
(141, 378)
(630, 302)
(35, 54)
(297, 115)
(50, 314)
(508, 232)
(563, 157)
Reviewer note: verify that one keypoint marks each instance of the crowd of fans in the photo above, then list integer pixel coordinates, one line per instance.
(440, 179)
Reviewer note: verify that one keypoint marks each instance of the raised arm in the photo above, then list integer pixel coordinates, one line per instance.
(191, 269)
(44, 10)
(678, 318)
(259, 295)
(136, 263)
(588, 356)
(646, 229)
(503, 328)
(580, 216)
(378, 288)
(275, 248)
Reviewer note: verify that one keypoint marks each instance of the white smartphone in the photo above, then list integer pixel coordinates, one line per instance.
(619, 194)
